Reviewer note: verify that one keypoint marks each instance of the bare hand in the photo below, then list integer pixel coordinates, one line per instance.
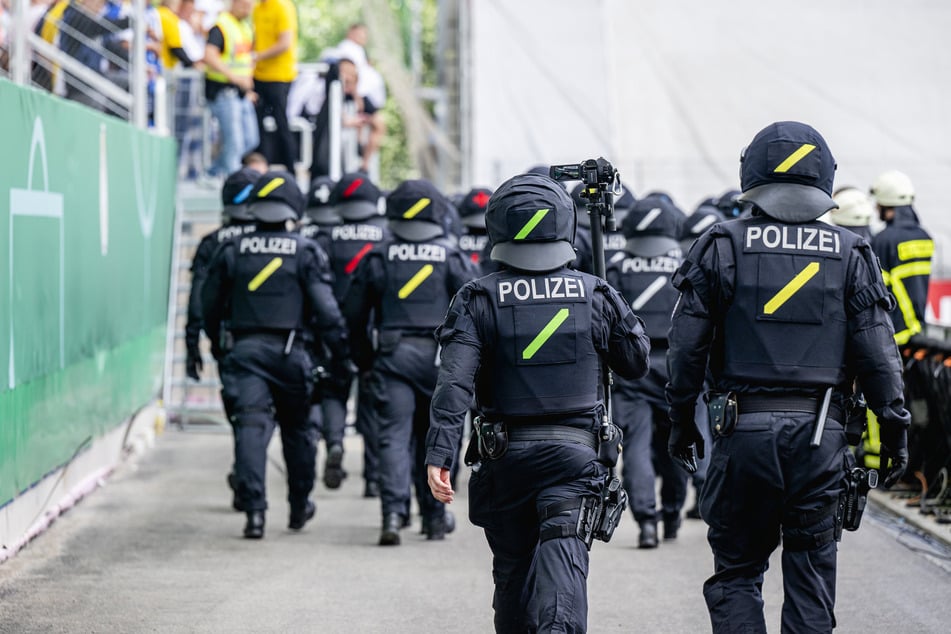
(439, 484)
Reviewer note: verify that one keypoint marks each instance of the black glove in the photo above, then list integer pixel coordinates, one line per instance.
(685, 445)
(193, 363)
(894, 449)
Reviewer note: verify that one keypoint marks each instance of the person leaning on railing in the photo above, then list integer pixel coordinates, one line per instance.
(81, 31)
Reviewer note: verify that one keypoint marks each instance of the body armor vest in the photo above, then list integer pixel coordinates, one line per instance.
(544, 361)
(645, 284)
(786, 324)
(267, 293)
(472, 244)
(349, 244)
(416, 296)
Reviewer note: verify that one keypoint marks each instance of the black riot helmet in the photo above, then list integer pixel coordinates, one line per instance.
(531, 223)
(472, 207)
(236, 193)
(276, 198)
(787, 172)
(356, 198)
(319, 208)
(416, 211)
(652, 227)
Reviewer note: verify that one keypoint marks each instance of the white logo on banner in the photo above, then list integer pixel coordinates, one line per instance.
(37, 204)
(103, 192)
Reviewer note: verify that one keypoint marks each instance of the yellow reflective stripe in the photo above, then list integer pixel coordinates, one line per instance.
(265, 273)
(545, 334)
(267, 189)
(795, 157)
(897, 284)
(790, 289)
(872, 443)
(421, 204)
(531, 224)
(915, 249)
(415, 281)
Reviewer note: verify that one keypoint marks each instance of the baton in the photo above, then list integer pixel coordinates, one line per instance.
(821, 421)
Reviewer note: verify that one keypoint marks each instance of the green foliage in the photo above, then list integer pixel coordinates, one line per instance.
(323, 23)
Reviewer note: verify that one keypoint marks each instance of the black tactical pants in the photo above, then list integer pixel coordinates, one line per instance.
(265, 388)
(539, 586)
(765, 481)
(407, 378)
(635, 416)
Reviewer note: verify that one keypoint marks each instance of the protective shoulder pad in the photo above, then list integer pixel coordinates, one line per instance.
(870, 290)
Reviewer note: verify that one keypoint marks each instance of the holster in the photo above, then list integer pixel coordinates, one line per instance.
(600, 515)
(491, 439)
(723, 412)
(858, 482)
(610, 437)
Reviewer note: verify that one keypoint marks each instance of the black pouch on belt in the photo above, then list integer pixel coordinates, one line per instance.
(610, 437)
(493, 439)
(723, 412)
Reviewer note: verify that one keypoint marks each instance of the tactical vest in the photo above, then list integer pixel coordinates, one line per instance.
(614, 246)
(786, 324)
(350, 243)
(416, 296)
(267, 293)
(236, 54)
(473, 245)
(645, 283)
(543, 361)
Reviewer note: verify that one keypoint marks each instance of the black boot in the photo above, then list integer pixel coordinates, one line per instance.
(648, 536)
(436, 528)
(671, 525)
(333, 468)
(236, 503)
(390, 535)
(301, 515)
(371, 489)
(254, 528)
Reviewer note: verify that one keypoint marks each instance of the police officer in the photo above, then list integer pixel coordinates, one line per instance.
(471, 207)
(530, 342)
(359, 204)
(236, 220)
(854, 212)
(787, 311)
(319, 214)
(651, 255)
(270, 285)
(405, 283)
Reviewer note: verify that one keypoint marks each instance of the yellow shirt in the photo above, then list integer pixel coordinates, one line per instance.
(270, 19)
(171, 36)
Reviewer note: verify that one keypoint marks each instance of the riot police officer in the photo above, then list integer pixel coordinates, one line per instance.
(359, 204)
(650, 256)
(530, 342)
(270, 285)
(471, 207)
(787, 311)
(405, 283)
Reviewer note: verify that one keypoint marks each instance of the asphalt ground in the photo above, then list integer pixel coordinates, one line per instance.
(158, 549)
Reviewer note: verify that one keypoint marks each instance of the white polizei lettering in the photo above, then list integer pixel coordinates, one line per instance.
(703, 223)
(521, 289)
(786, 243)
(753, 233)
(809, 234)
(660, 264)
(641, 300)
(825, 242)
(837, 248)
(371, 233)
(417, 252)
(615, 241)
(556, 292)
(574, 288)
(649, 218)
(771, 242)
(472, 243)
(504, 288)
(270, 245)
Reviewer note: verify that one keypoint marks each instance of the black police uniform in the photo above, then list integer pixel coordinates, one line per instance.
(529, 342)
(358, 202)
(270, 285)
(650, 257)
(237, 220)
(474, 239)
(404, 284)
(904, 250)
(783, 308)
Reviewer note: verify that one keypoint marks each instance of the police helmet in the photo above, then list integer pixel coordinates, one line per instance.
(652, 227)
(319, 210)
(787, 172)
(531, 223)
(472, 207)
(236, 192)
(356, 197)
(729, 203)
(623, 203)
(893, 189)
(855, 208)
(416, 211)
(704, 216)
(276, 198)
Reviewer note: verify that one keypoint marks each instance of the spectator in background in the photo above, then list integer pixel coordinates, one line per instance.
(256, 161)
(44, 72)
(82, 30)
(173, 52)
(358, 112)
(275, 67)
(229, 87)
(353, 47)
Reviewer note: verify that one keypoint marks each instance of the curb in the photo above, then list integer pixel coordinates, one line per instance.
(897, 504)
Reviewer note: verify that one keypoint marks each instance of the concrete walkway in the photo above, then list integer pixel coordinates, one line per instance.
(159, 550)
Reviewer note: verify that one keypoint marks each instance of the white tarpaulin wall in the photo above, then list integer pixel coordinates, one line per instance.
(670, 92)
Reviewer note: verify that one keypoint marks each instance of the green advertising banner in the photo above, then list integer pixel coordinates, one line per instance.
(86, 222)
